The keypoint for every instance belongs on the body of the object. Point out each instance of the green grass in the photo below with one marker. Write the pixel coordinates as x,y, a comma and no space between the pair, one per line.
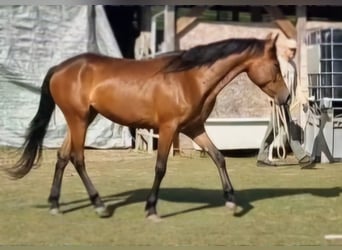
278,206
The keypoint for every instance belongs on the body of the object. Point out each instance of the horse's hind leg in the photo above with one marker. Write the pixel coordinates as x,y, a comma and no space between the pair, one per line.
63,157
202,139
78,129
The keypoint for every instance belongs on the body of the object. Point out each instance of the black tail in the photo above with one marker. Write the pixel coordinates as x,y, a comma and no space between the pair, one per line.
32,147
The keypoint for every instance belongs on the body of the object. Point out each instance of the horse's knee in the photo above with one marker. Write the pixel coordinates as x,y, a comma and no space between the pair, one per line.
77,161
160,170
73,160
219,158
62,160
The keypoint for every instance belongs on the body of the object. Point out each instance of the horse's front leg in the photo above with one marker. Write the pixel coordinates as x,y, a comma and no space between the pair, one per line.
166,135
202,139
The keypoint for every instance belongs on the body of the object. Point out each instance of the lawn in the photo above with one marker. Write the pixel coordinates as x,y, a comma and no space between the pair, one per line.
277,206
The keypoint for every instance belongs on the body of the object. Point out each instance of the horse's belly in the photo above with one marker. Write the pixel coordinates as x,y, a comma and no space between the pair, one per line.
124,109
128,118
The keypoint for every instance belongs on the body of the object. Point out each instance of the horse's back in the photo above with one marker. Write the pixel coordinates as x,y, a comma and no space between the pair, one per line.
123,90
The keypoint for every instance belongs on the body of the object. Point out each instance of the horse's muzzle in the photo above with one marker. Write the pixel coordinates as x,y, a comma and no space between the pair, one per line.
288,100
284,99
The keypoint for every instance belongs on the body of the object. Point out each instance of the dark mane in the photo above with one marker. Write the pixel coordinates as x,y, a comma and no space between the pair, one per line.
206,55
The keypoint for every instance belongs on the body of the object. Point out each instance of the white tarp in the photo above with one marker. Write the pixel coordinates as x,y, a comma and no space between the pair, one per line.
34,38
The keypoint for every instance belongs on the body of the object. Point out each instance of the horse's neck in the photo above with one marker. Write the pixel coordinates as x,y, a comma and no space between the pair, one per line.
216,77
223,71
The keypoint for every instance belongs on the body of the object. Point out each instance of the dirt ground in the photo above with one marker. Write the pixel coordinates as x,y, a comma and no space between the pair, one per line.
277,206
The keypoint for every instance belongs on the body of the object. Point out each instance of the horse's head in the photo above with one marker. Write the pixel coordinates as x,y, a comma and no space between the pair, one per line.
264,71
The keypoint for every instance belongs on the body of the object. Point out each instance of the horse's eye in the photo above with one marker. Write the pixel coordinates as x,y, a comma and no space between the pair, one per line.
277,65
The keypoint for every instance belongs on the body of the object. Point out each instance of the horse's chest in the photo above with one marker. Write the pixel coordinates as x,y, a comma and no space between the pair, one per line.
208,106
202,113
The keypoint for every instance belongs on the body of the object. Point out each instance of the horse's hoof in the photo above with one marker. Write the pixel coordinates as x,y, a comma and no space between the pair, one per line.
102,212
231,205
154,218
54,211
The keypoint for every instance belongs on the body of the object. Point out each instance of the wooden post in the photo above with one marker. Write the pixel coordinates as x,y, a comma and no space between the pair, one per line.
170,42
143,42
301,59
169,28
301,50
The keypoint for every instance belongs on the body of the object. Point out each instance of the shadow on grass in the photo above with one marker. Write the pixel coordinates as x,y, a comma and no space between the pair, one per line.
206,198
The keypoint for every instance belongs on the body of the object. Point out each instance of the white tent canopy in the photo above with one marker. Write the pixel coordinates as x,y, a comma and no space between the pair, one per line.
34,38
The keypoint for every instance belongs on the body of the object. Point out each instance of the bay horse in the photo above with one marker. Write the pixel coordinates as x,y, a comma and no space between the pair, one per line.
172,94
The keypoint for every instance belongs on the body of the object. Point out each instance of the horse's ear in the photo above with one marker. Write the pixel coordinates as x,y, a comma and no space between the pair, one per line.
275,38
271,40
269,36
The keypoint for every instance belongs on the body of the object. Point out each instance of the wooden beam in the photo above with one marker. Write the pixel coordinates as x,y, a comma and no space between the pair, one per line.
185,21
283,23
